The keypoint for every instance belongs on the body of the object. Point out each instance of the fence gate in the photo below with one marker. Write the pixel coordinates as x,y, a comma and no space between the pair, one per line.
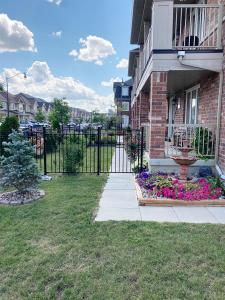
88,151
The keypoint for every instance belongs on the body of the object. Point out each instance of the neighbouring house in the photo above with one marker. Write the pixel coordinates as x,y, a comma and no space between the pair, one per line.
23,106
178,74
44,106
13,105
122,99
78,114
27,107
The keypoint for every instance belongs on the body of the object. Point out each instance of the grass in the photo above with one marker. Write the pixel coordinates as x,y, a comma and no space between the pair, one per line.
51,249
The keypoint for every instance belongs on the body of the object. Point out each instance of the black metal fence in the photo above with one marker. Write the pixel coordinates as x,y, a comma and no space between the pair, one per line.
87,151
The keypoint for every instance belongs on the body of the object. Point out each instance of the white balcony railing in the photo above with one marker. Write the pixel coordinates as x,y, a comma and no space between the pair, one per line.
180,26
200,137
197,26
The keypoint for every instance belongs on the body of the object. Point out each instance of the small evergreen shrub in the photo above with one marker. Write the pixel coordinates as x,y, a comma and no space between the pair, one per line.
74,151
19,169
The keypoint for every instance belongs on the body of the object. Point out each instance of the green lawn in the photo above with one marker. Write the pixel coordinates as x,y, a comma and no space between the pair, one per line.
55,160
52,250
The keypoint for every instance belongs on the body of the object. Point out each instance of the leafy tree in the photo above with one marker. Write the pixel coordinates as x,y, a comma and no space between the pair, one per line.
9,124
19,169
60,113
39,117
98,117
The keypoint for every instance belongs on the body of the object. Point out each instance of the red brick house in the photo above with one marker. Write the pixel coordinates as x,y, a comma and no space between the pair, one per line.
122,99
178,74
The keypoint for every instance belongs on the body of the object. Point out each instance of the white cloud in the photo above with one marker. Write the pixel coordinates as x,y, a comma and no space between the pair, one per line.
123,64
73,53
42,83
15,36
94,49
57,34
57,2
110,82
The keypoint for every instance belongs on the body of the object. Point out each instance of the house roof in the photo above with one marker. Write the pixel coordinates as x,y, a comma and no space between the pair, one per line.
33,99
128,82
3,97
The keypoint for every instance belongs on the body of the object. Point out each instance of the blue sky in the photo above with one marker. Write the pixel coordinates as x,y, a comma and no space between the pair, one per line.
105,23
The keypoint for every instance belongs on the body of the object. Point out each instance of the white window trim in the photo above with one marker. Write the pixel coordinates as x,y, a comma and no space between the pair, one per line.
194,88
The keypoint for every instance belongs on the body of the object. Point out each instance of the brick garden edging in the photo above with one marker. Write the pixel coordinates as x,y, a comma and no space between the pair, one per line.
142,201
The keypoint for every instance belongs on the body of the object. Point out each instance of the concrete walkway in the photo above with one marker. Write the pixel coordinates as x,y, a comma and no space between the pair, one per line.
119,203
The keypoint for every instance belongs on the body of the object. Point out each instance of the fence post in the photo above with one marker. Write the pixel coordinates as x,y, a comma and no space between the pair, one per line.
142,148
99,152
44,152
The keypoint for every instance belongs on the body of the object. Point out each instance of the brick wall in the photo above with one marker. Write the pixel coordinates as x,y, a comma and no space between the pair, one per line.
207,110
158,114
135,116
144,107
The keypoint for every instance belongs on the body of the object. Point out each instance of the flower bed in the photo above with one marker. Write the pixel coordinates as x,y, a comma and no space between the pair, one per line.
166,189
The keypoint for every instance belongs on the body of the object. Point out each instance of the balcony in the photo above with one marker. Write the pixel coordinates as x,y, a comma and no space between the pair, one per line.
195,29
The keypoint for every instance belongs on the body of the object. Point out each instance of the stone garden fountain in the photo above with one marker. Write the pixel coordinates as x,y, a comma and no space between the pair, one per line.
184,160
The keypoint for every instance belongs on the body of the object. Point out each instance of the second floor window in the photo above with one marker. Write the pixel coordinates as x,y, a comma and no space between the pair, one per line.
125,106
125,91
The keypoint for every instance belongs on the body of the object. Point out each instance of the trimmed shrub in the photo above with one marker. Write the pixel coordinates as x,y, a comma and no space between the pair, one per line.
74,151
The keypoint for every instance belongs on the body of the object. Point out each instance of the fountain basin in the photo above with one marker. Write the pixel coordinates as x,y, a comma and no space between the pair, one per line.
183,160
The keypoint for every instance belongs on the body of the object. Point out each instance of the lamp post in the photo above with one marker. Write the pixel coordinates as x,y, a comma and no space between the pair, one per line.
7,88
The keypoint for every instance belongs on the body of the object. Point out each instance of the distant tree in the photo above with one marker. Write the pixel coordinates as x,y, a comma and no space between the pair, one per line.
39,117
1,88
99,118
9,124
60,113
113,121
